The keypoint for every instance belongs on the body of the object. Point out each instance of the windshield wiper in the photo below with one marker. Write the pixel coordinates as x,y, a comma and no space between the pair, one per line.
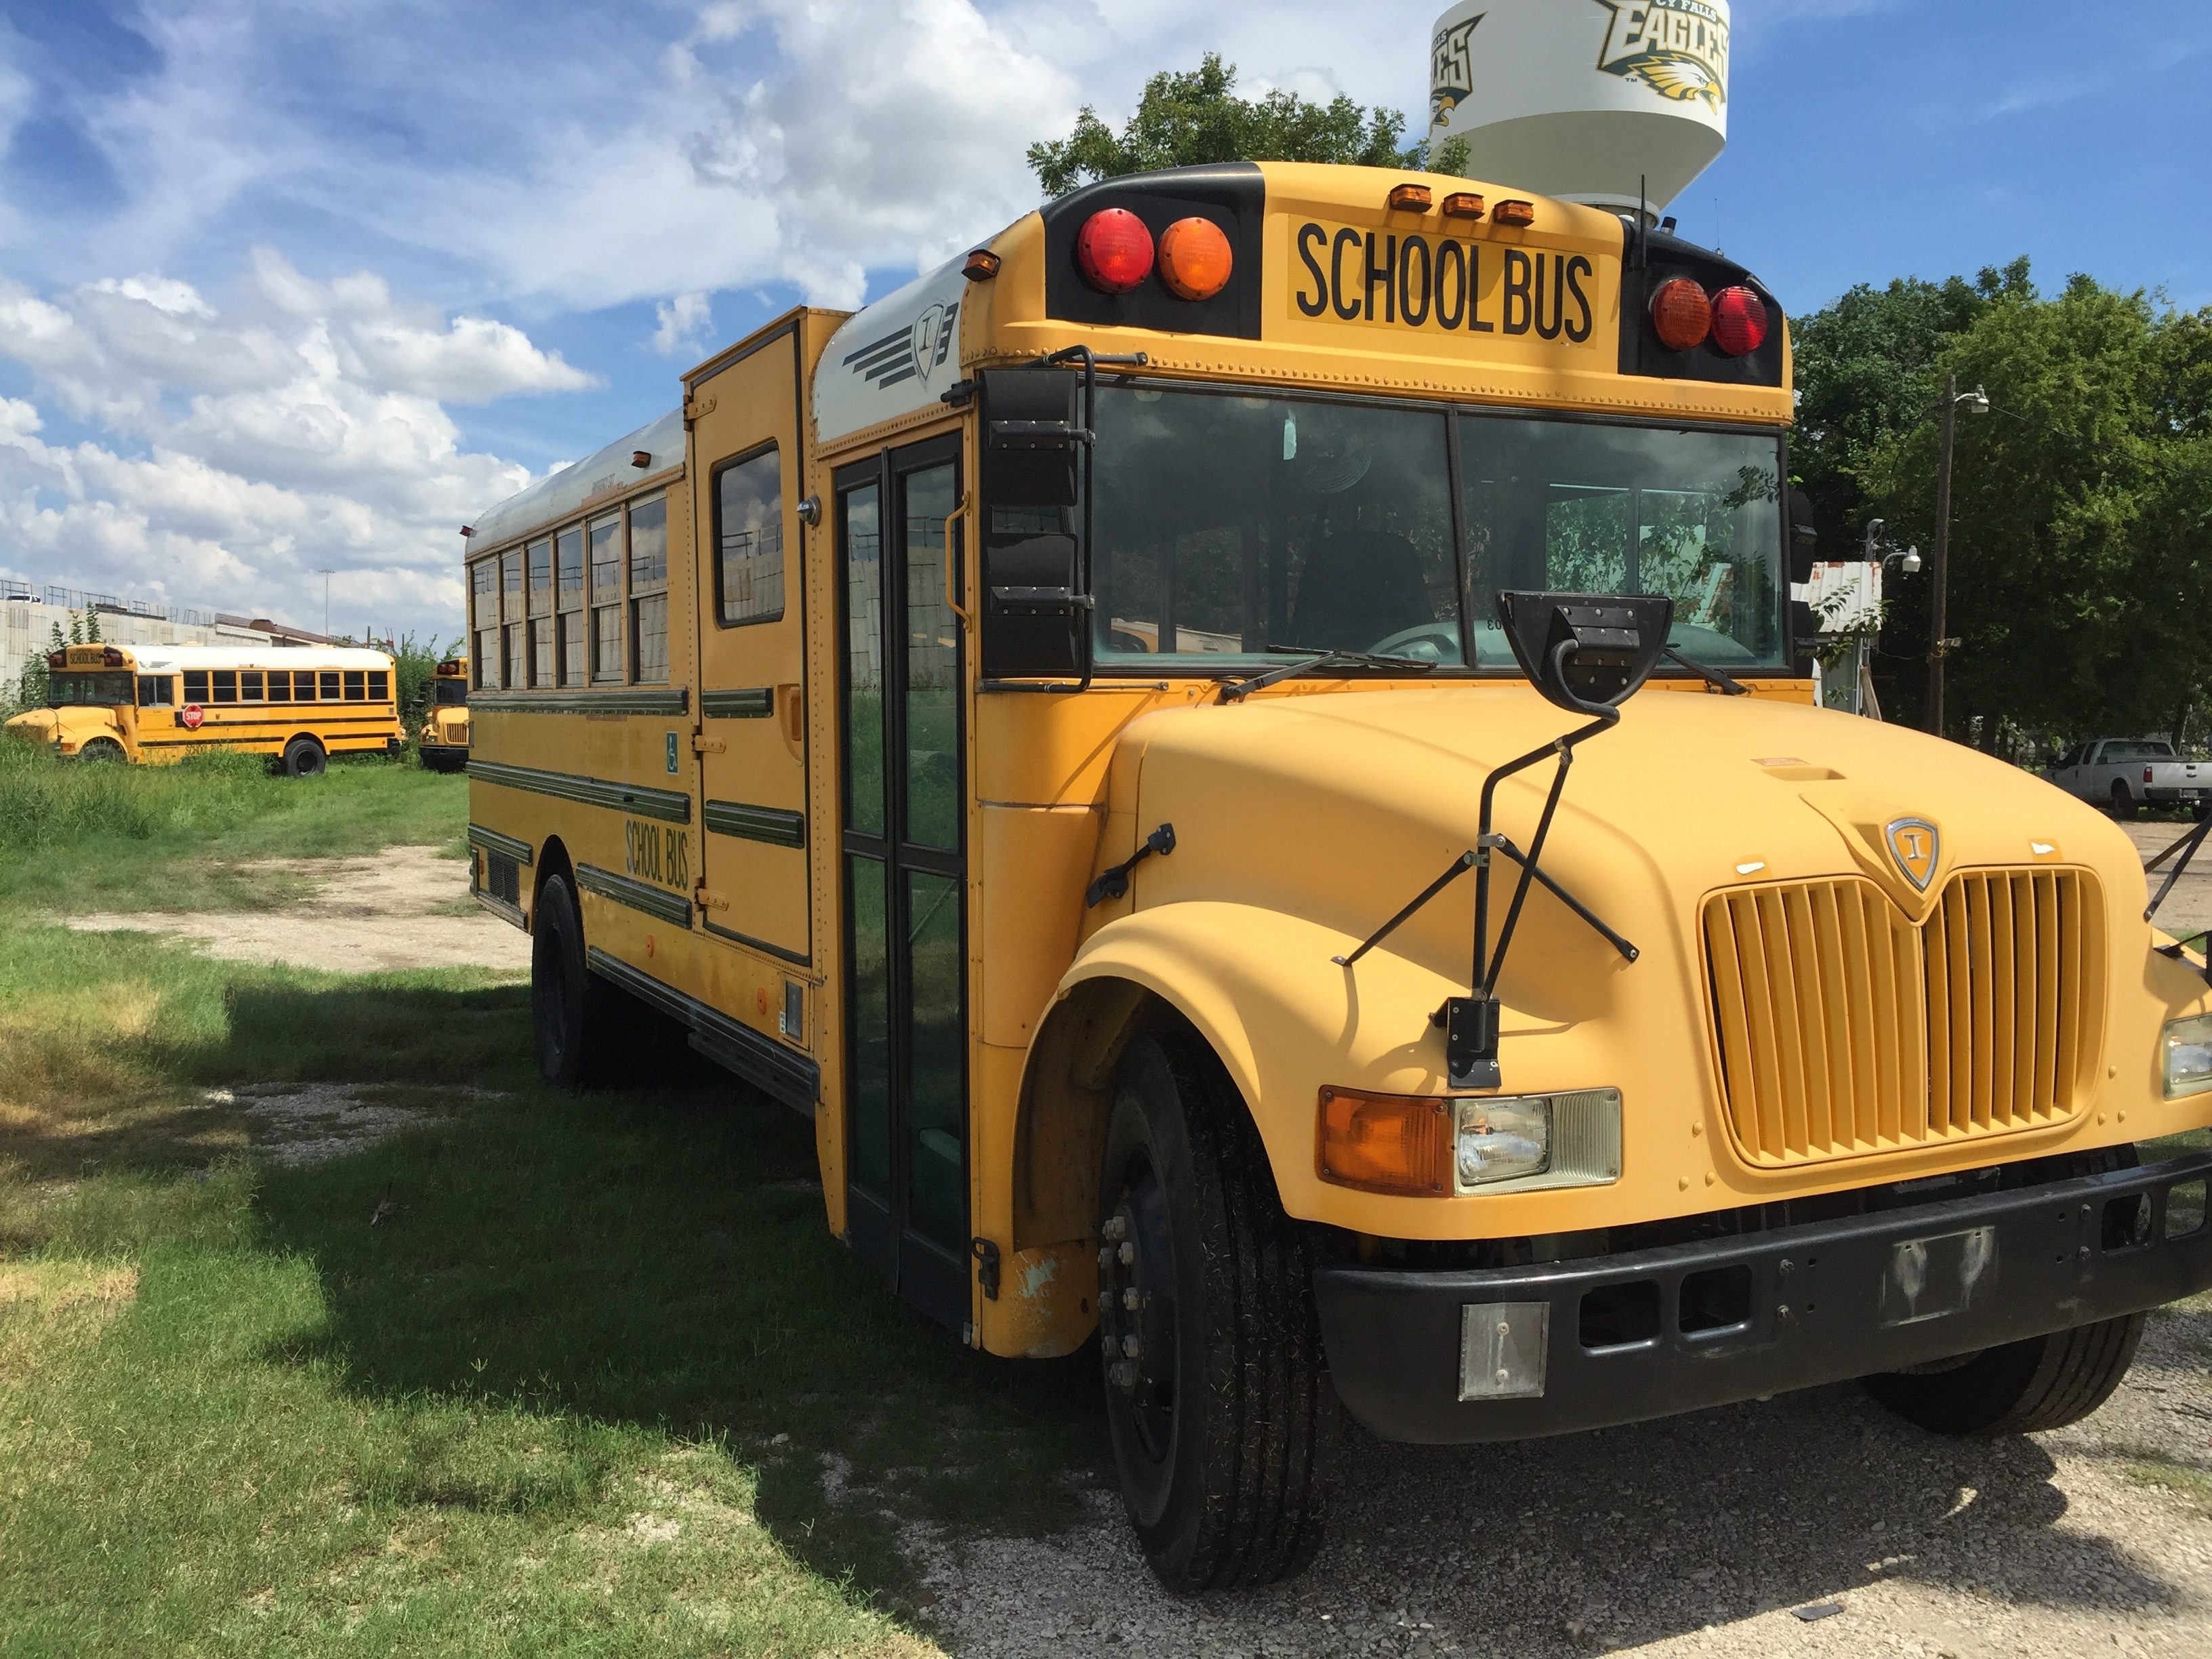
1231,690
1712,677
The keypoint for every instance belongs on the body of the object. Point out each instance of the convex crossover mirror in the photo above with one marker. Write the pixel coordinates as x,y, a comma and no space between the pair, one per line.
1586,652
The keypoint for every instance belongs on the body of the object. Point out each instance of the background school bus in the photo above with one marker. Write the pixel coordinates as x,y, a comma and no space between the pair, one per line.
156,704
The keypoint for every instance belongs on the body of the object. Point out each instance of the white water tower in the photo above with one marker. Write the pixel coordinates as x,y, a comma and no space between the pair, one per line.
1580,98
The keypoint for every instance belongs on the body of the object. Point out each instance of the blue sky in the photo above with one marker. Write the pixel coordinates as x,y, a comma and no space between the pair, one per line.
303,285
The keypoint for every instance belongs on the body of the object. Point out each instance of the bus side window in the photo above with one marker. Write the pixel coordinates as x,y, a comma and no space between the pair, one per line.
195,686
225,686
329,687
749,541
154,691
355,689
303,687
379,686
280,686
249,686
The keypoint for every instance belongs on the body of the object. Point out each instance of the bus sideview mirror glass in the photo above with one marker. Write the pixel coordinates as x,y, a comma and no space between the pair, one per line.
1031,431
1586,652
1035,609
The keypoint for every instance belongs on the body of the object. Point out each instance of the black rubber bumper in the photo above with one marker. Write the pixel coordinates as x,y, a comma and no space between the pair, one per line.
1650,1332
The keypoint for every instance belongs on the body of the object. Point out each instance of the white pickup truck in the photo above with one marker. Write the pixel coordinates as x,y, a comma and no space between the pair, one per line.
2124,773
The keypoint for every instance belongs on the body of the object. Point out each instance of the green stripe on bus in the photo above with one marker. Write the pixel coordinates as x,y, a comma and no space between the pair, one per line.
666,805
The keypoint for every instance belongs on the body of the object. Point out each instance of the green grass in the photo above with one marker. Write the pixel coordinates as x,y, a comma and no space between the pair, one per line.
76,838
541,1375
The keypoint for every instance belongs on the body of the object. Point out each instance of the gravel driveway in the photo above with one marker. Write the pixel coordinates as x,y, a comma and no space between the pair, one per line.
1700,1535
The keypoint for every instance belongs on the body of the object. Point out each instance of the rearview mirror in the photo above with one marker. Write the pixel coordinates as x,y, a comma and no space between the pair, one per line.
1586,652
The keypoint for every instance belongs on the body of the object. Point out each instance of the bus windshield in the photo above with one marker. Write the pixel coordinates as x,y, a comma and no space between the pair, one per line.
91,690
445,693
1228,525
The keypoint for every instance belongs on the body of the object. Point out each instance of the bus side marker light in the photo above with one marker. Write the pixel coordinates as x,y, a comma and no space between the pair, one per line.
981,265
1514,213
1462,204
1114,250
1384,1143
1739,321
1409,199
1681,315
1196,258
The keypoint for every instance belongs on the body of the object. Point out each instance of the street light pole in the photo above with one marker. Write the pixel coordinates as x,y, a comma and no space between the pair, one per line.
1939,562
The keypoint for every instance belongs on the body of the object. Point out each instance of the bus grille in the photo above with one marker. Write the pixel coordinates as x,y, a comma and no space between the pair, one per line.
1845,1029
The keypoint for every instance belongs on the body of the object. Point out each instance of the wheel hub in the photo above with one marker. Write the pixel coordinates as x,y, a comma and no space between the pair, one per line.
1136,1313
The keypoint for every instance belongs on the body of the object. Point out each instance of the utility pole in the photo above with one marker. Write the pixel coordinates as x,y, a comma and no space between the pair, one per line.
326,575
1939,563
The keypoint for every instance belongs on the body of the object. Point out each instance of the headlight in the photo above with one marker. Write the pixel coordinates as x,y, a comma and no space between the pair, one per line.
2189,1055
1502,1139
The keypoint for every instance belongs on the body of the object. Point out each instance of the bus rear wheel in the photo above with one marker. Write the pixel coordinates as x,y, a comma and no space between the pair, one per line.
303,758
580,1019
1217,1398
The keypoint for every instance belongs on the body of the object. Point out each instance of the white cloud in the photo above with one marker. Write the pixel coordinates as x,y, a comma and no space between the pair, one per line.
681,322
251,448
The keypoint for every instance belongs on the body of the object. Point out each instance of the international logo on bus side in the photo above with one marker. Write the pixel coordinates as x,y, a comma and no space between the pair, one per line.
1913,844
192,716
1677,48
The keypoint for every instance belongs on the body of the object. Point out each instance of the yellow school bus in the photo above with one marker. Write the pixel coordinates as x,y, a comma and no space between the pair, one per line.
156,703
1131,736
443,742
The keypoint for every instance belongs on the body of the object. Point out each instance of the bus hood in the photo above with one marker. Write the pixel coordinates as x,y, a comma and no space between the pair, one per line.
71,728
1339,807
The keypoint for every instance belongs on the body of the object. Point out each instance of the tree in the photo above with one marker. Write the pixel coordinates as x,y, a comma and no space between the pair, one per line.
1188,118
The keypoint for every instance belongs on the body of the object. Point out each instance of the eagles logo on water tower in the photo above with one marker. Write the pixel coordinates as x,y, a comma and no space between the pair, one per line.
1451,67
1677,48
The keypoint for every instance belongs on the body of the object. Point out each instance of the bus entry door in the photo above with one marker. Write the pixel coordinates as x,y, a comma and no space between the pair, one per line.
904,874
753,887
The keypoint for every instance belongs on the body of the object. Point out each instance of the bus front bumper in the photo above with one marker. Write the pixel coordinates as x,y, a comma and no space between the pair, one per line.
1510,1354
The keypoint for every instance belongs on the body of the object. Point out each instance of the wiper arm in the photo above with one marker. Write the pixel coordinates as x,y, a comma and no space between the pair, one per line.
1231,690
1712,677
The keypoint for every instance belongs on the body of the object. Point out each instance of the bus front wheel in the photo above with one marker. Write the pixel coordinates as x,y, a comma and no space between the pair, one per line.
303,758
101,750
1222,1418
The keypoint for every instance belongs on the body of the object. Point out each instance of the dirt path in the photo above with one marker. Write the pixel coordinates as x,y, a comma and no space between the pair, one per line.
404,907
2189,907
1702,1535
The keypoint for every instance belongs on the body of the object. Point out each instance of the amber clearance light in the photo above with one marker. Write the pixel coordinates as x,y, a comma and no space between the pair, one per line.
1384,1143
1680,314
1739,321
1195,258
1514,213
1115,250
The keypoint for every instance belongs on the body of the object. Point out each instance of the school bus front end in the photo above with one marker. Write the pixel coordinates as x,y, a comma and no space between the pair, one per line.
442,741
1241,750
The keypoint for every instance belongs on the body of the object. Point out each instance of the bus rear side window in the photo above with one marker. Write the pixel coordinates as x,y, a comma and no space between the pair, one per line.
195,686
379,686
303,687
355,690
225,686
329,688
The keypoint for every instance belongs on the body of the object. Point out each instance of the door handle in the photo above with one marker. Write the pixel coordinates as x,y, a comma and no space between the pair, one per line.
951,598
791,705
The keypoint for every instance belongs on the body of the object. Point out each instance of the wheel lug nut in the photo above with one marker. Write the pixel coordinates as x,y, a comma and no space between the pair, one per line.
1131,1348
1123,1375
1133,1298
1114,1229
1105,1257
1128,1254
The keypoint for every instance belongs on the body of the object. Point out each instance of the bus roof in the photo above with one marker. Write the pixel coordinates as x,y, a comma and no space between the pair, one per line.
180,658
560,493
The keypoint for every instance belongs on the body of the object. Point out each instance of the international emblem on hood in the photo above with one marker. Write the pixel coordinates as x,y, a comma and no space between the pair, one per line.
1914,844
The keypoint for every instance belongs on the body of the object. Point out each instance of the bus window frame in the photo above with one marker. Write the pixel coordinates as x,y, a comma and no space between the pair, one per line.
714,533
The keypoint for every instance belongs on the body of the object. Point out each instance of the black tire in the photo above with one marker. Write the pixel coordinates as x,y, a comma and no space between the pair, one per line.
577,1017
2022,1388
2123,802
1224,1420
303,758
102,751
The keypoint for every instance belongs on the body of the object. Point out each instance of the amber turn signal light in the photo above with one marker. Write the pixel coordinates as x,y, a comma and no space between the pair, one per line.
1681,316
1514,213
1195,259
981,265
1409,199
1462,204
1114,250
1384,1143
